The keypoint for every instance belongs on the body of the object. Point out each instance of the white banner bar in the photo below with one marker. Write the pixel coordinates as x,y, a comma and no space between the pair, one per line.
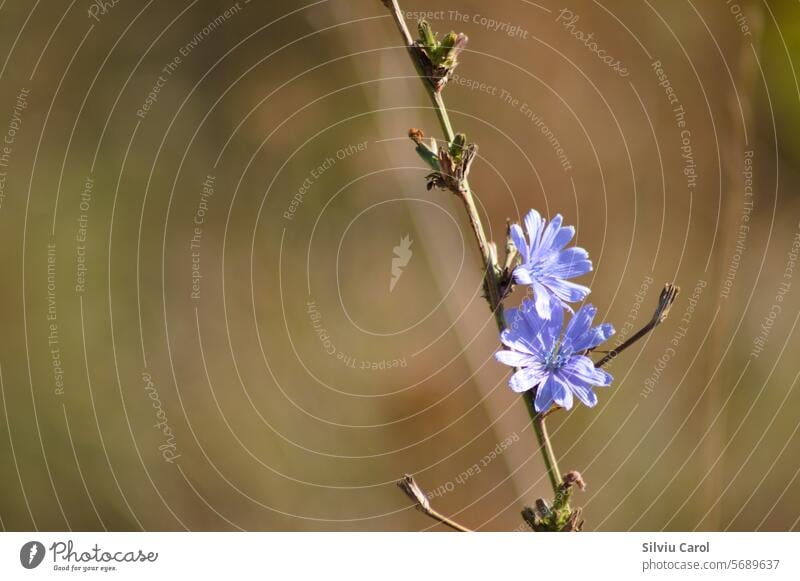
400,556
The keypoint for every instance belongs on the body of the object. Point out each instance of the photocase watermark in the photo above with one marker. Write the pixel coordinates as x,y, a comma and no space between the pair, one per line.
10,138
168,70
739,17
168,449
569,20
198,221
491,24
53,340
82,235
346,359
544,129
99,8
402,256
633,315
665,83
672,350
32,554
687,154
320,170
66,558
475,469
768,322
679,115
474,85
744,226
523,107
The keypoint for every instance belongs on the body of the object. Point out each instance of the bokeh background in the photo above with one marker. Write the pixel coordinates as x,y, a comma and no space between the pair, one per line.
199,207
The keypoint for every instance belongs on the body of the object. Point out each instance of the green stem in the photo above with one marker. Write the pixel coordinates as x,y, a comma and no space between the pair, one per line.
545,446
490,275
441,112
492,289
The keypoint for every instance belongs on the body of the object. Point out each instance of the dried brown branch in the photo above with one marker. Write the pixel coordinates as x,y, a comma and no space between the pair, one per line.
665,301
421,502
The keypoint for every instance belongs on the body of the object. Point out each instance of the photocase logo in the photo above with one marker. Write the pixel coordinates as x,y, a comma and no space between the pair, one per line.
31,554
402,256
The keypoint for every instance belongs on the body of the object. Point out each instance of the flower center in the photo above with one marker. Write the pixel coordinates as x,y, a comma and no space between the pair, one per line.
556,359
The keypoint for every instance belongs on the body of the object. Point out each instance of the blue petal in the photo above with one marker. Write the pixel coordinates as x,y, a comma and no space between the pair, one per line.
534,224
562,396
511,314
519,342
569,269
565,234
550,233
579,324
565,290
544,305
526,379
523,275
518,237
583,392
544,395
552,328
533,326
593,337
523,328
515,358
569,263
582,368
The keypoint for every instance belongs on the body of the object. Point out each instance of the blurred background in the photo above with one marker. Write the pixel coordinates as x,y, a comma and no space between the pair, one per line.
201,203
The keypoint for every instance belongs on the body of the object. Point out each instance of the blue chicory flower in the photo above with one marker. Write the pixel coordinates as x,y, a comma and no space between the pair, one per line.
546,265
553,363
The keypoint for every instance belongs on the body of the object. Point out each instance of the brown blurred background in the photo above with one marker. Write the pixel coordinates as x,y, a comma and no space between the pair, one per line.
199,206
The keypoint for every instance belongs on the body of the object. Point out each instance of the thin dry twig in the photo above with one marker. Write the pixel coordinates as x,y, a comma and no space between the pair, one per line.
408,485
665,301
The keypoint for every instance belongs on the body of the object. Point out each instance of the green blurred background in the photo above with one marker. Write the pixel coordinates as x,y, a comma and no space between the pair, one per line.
198,328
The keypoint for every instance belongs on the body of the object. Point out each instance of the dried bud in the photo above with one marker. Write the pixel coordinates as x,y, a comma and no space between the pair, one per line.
438,59
530,517
668,296
542,508
414,492
454,165
574,523
574,478
452,45
505,279
428,38
428,153
458,146
492,253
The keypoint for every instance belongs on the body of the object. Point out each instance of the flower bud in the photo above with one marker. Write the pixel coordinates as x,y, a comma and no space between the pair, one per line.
438,59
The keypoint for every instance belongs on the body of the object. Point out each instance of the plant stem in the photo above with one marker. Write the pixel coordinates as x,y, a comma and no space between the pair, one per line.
466,195
545,446
444,117
493,293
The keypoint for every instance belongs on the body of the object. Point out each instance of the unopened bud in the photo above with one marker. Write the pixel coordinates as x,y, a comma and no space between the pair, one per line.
574,478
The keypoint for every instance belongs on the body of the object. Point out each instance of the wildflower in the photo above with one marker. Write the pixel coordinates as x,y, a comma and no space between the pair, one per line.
555,364
546,265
